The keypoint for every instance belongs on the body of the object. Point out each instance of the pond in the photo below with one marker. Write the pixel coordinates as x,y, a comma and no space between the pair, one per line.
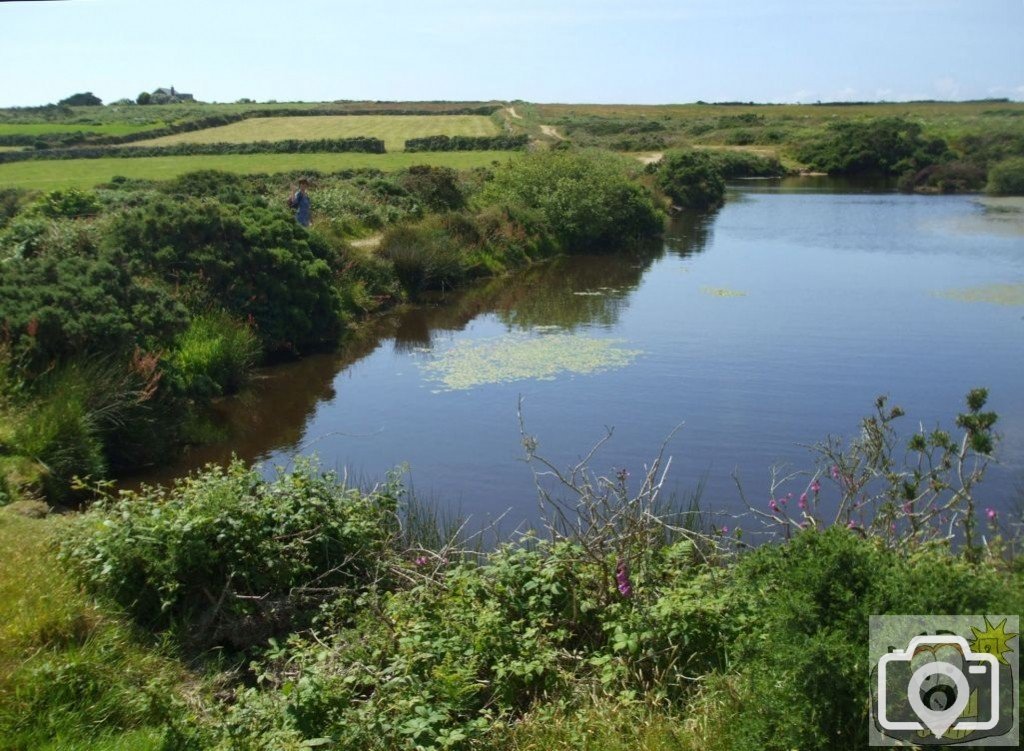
762,328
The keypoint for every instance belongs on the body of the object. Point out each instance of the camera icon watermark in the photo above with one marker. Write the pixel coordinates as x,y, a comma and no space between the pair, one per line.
944,680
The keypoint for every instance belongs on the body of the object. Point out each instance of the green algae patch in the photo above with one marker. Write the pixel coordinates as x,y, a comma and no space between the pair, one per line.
468,364
722,292
996,294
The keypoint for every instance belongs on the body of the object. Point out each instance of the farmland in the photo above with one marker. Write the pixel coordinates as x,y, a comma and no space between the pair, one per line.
393,129
84,173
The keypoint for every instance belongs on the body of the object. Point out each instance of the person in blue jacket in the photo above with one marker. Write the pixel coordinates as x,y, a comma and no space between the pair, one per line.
299,202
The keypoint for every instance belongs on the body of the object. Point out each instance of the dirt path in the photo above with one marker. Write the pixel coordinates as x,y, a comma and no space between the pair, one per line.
512,112
650,158
549,130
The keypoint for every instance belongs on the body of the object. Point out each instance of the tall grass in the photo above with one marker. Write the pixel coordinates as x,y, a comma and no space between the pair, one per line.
214,355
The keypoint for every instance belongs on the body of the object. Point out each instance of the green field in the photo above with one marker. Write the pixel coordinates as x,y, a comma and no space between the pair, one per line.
98,128
393,129
85,173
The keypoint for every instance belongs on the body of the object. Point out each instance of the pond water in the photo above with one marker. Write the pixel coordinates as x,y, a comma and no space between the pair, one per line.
762,328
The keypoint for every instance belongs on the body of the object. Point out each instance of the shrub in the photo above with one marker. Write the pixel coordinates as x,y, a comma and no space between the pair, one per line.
1007,178
10,204
801,613
887,146
257,263
691,179
230,557
733,164
952,177
424,256
54,307
69,202
437,187
586,198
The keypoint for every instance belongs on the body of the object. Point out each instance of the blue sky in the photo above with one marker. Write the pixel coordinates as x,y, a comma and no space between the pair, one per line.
643,51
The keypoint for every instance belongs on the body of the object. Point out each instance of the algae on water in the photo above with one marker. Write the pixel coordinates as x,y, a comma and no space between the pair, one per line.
997,294
722,292
472,363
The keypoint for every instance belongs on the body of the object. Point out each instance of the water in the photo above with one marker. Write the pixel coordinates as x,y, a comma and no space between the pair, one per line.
762,328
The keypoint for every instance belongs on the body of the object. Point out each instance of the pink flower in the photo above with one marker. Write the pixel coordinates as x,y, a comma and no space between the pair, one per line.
422,560
773,505
725,530
815,487
835,471
802,503
622,579
991,514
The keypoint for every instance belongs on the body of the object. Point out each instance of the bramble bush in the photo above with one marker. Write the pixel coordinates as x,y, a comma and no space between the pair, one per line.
229,557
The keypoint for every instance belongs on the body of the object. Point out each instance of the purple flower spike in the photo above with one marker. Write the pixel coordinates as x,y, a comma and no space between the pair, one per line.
622,578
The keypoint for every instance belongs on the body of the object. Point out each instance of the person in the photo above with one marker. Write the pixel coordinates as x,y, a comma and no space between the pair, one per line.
300,204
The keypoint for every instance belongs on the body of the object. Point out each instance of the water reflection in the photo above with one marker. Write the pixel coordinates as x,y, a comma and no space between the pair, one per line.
565,293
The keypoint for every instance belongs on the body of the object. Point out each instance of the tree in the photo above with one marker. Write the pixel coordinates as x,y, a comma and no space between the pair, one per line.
144,98
85,99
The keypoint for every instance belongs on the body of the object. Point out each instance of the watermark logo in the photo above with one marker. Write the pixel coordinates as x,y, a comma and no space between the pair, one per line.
944,680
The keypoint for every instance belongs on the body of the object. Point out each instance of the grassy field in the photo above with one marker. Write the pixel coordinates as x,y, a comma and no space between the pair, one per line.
85,173
105,128
393,129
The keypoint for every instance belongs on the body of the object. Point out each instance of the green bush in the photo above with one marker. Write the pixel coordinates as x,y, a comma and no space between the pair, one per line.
733,164
70,203
437,187
950,177
424,256
10,204
1007,178
691,179
587,198
799,617
255,262
885,146
57,307
213,356
229,557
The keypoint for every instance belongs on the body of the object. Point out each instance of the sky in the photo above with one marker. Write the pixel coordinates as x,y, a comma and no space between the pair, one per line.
597,51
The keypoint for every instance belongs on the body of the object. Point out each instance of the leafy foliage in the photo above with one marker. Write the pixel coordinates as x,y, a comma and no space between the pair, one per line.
255,262
887,146
587,198
229,556
692,179
1007,178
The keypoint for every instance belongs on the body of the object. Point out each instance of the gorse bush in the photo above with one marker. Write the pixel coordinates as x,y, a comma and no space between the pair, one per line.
255,262
54,306
692,179
229,557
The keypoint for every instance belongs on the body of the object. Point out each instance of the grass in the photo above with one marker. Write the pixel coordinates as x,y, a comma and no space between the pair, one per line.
72,675
85,173
393,129
106,129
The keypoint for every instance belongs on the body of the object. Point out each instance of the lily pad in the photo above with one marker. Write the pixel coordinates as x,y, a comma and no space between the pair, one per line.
515,357
722,292
997,294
